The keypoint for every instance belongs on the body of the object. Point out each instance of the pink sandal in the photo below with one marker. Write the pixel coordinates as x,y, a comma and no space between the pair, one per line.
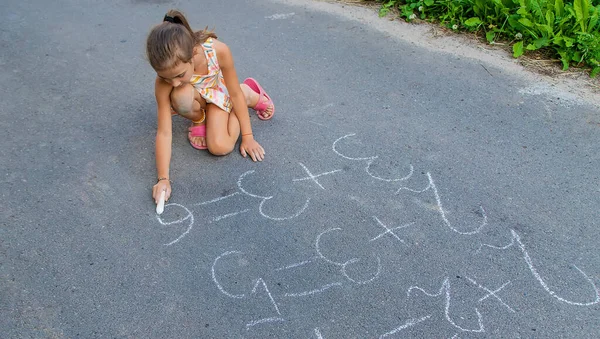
264,100
197,131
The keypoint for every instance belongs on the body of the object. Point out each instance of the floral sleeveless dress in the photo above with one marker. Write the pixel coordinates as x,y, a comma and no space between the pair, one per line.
212,85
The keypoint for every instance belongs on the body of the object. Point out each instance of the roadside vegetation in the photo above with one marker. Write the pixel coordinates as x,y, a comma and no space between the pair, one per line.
564,30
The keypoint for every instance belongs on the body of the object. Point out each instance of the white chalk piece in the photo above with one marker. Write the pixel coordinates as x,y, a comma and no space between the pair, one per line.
160,207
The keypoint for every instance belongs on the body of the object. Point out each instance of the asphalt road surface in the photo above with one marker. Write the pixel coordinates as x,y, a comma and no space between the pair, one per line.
406,192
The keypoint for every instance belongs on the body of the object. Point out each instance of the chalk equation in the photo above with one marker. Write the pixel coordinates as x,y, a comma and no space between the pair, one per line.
347,271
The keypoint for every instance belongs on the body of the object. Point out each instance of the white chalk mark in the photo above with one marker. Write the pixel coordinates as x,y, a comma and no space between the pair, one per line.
319,250
318,124
390,230
455,336
344,156
446,289
543,283
317,110
263,321
160,207
343,265
414,190
280,16
315,291
217,199
260,209
491,293
409,323
512,242
314,177
221,217
239,183
318,333
265,199
174,221
189,216
261,281
214,276
440,208
368,169
294,265
370,161
364,281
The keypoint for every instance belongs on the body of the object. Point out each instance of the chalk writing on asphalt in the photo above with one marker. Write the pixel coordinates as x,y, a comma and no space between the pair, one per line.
348,272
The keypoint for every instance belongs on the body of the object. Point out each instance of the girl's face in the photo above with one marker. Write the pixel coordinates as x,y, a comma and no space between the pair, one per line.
178,75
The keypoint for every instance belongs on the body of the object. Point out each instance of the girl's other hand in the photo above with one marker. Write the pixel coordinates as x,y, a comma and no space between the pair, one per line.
250,147
162,185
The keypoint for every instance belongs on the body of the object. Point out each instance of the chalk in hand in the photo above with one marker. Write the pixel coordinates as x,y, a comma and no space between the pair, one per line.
160,207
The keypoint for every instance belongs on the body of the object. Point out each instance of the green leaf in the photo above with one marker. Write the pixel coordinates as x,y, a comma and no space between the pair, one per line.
518,49
541,42
531,47
550,18
385,8
526,22
429,2
513,21
479,7
569,42
581,12
489,36
536,9
559,8
406,11
593,19
559,40
594,72
565,59
546,30
472,22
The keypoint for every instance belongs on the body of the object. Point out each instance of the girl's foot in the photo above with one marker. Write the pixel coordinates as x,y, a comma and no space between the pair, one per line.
266,114
197,133
258,99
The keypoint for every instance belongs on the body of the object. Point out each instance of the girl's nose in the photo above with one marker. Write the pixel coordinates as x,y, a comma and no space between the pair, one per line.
176,83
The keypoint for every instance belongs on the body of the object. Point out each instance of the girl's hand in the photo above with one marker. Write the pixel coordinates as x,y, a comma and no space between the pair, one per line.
161,185
249,146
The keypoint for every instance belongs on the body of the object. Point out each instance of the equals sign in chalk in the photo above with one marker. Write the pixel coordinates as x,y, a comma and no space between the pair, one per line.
160,207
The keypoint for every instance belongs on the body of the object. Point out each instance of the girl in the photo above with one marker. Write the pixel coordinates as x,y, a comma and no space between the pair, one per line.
196,79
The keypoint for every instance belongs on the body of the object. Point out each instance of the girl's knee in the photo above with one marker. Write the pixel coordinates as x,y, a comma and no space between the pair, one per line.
182,99
220,148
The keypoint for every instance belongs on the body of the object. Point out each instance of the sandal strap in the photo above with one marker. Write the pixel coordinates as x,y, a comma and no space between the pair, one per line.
197,131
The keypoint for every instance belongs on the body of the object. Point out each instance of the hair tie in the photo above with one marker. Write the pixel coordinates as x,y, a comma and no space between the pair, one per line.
171,19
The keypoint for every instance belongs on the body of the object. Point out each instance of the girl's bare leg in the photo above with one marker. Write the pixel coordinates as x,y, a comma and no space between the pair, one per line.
224,128
188,103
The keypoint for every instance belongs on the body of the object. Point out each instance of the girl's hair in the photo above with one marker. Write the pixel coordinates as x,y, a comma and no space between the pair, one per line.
172,41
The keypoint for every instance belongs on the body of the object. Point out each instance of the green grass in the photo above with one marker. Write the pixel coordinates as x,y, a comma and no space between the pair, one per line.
568,30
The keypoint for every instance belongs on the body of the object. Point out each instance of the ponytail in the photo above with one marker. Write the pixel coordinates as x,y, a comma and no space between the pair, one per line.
172,42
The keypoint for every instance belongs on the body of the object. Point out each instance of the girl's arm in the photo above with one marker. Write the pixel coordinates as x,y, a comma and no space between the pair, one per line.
240,108
162,91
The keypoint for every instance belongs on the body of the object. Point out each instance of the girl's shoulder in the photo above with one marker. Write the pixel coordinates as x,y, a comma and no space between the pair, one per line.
217,44
224,55
221,48
162,92
160,83
214,44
